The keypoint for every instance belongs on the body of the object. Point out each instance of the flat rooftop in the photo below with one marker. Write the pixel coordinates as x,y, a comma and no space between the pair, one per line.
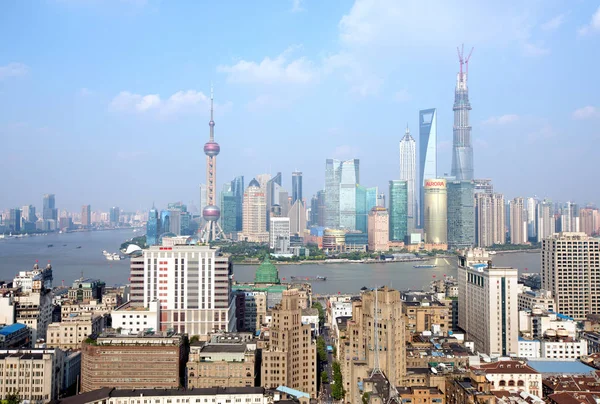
560,367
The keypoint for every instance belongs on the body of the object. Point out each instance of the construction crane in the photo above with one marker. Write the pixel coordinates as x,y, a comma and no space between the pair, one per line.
463,60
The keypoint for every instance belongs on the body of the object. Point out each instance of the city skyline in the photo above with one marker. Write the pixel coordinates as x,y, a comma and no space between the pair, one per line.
125,114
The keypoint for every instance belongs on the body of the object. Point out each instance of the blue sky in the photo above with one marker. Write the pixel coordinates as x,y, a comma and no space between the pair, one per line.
105,101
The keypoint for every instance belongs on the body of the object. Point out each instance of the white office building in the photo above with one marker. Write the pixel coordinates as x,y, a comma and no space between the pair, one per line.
131,320
279,235
192,283
487,297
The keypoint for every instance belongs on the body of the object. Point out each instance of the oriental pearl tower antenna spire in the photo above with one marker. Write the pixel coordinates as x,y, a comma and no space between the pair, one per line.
211,213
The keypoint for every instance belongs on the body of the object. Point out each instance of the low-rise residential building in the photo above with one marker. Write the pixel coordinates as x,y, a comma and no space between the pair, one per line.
14,336
311,316
529,299
510,375
86,290
424,313
153,360
425,395
36,375
131,320
228,360
552,348
427,352
538,323
69,307
473,388
72,330
593,341
571,383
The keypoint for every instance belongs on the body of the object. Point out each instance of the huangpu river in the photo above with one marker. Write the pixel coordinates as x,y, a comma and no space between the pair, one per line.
69,262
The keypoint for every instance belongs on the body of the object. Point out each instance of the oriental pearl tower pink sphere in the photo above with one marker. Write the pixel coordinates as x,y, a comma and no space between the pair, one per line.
211,213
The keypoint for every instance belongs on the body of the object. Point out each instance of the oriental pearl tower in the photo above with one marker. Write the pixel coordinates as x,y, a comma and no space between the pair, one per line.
211,213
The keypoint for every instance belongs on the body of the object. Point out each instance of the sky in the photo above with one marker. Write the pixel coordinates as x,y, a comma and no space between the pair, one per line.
106,102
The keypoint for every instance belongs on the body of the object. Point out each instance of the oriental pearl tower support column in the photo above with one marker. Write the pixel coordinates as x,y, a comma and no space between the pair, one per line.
211,213
462,150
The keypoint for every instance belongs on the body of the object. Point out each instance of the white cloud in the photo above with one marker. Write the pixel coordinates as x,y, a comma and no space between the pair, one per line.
85,92
544,133
402,96
272,71
554,23
586,112
501,120
13,70
593,26
178,103
366,86
297,6
530,49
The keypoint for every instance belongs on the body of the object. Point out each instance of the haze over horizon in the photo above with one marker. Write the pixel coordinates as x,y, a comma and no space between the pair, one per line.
107,102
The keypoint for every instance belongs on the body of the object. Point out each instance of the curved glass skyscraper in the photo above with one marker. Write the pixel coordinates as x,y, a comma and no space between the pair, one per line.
427,152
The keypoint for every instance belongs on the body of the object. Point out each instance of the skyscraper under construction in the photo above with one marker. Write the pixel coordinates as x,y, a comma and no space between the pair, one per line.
462,149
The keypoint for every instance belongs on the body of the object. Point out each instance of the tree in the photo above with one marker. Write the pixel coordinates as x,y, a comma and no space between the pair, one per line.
12,398
319,307
324,377
321,350
337,392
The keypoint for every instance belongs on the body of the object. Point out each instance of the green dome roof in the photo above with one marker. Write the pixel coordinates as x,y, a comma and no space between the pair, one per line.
267,272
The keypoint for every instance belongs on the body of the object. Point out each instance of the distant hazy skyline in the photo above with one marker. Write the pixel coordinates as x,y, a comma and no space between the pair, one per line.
105,102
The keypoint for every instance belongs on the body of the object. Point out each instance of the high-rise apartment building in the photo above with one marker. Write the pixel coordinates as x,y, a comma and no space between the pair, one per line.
366,199
279,235
349,177
399,217
296,186
489,219
545,220
488,303
379,229
461,214
341,178
589,221
14,220
332,194
263,180
193,285
254,227
427,153
376,339
237,187
297,215
114,214
462,147
228,210
518,221
435,209
49,211
290,355
271,189
317,209
28,214
408,173
86,216
569,218
532,223
570,268
483,185
152,227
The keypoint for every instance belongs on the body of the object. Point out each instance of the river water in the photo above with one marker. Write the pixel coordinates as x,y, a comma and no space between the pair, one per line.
68,262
